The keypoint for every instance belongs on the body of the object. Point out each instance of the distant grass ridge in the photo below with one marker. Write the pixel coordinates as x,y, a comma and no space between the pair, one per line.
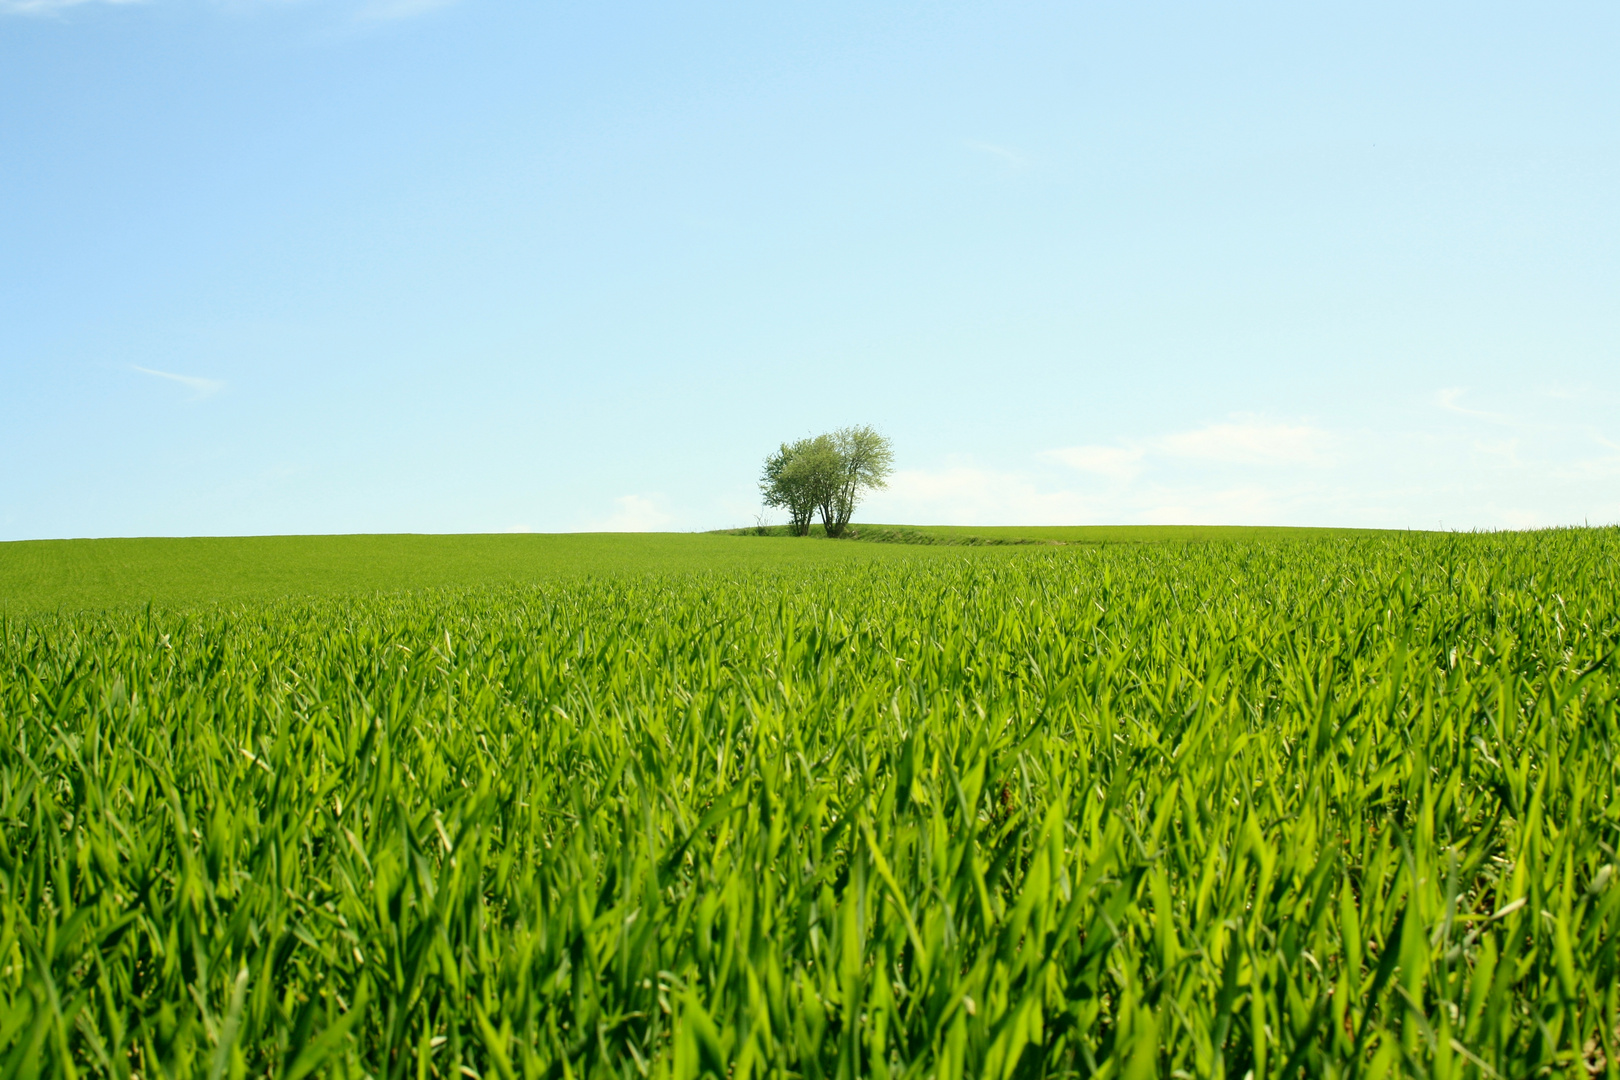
1126,534
187,572
885,534
1002,535
1346,807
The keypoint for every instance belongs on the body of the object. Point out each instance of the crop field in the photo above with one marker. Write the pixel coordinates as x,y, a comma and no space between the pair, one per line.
1337,806
1116,534
1066,535
38,576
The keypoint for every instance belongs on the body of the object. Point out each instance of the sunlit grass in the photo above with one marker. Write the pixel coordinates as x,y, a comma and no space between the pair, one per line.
178,572
1343,807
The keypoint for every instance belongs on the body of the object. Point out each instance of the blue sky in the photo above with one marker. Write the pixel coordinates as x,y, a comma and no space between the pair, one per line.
282,266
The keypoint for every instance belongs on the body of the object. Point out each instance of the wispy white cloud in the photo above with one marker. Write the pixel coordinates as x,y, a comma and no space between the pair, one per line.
1257,480
1602,469
1005,154
389,10
200,388
634,513
49,7
971,495
369,11
1504,452
1263,471
1243,440
1114,462
1450,397
1250,441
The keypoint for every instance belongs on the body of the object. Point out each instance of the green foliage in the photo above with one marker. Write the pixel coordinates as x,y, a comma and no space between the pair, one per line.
891,534
1328,808
864,461
798,477
826,473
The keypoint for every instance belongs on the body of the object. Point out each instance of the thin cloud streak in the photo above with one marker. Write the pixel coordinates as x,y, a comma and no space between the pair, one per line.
1114,462
49,7
1009,156
1447,399
1245,440
200,387
392,10
375,11
1250,442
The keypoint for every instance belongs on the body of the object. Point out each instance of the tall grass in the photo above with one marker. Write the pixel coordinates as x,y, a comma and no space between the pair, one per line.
1338,808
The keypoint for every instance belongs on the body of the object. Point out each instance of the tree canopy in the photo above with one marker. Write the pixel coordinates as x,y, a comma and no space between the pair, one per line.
827,474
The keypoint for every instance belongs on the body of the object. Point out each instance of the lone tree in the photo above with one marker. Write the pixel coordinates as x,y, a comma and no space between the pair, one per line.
828,473
794,476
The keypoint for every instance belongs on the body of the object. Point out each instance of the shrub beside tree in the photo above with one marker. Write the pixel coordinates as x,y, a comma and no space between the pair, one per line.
826,473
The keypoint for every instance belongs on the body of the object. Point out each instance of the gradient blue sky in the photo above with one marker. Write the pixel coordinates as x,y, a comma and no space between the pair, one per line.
272,266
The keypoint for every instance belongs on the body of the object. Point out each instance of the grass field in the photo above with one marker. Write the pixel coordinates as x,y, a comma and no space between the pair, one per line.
73,575
1313,806
1110,534
1065,535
